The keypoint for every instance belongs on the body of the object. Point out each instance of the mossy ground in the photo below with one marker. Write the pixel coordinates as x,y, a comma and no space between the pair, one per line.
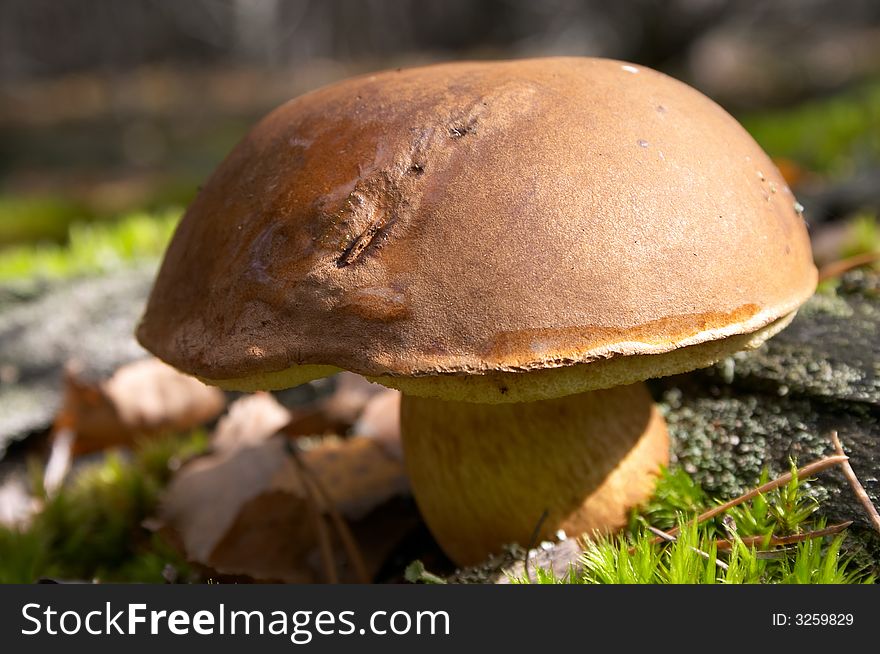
91,247
831,135
93,528
636,556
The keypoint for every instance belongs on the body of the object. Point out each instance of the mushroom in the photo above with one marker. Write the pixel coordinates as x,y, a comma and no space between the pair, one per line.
513,245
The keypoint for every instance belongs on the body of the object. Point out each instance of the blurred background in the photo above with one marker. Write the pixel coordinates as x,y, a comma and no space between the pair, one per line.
109,107
112,113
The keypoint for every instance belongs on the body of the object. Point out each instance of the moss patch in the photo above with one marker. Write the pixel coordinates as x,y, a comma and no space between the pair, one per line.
92,248
697,556
829,135
92,529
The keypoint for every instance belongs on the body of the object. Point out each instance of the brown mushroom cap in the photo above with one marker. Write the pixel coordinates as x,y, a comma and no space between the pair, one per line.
446,229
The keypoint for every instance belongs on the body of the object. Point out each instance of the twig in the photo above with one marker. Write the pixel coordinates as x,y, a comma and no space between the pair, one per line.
729,525
345,535
806,471
320,528
857,487
533,540
669,537
837,268
725,544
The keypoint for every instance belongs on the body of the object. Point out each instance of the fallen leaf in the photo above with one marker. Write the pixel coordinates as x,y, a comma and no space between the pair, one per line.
380,420
248,511
793,173
141,398
357,473
204,498
336,413
249,421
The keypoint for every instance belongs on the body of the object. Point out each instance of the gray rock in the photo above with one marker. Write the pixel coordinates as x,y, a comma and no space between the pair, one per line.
90,320
760,409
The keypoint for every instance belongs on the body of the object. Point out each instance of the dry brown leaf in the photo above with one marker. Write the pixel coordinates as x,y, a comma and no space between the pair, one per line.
351,394
141,398
793,172
357,473
266,541
250,420
336,413
380,420
246,512
205,497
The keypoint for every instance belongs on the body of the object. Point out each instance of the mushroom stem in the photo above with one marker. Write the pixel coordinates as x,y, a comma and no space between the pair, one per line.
483,475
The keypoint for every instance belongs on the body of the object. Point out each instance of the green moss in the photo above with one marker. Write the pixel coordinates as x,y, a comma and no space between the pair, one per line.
25,218
93,528
92,248
676,493
829,136
23,556
863,235
635,557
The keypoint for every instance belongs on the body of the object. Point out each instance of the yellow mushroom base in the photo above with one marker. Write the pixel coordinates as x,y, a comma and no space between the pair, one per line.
484,475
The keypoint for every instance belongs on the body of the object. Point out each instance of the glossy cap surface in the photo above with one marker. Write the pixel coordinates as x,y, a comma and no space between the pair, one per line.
479,219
